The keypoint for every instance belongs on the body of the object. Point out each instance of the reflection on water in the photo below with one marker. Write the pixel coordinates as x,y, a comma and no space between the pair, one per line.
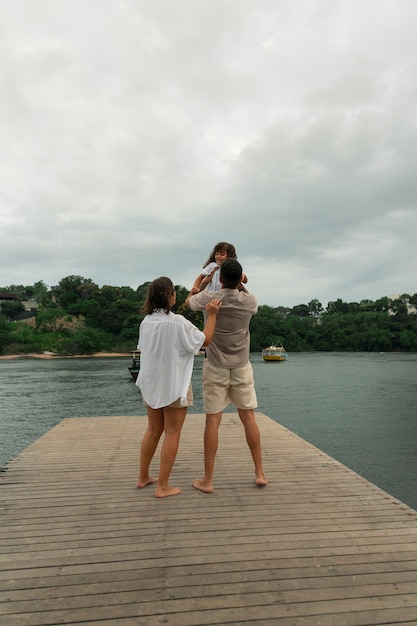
358,407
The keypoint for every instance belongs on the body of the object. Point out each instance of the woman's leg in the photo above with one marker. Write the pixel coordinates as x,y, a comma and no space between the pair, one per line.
149,444
173,422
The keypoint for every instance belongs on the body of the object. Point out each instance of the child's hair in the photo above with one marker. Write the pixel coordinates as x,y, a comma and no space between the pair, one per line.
230,273
159,292
220,247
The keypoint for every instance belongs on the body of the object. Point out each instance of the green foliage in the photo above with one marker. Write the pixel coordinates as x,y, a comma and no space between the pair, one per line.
79,317
12,309
5,335
22,340
348,327
196,317
85,341
265,327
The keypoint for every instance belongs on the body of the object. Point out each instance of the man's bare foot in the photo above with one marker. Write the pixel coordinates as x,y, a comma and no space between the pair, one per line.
147,481
199,484
261,481
168,491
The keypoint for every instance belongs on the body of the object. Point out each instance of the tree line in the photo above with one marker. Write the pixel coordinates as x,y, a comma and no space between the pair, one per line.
79,317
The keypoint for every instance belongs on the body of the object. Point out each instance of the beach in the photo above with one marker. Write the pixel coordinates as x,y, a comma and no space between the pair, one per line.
51,355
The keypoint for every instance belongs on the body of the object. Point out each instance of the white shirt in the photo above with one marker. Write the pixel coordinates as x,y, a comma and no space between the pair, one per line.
167,344
214,284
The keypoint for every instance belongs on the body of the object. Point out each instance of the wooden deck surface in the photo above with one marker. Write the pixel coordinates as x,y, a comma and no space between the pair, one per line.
81,545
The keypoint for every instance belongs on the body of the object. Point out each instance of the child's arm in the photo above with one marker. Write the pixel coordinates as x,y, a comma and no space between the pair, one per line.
244,280
197,283
202,281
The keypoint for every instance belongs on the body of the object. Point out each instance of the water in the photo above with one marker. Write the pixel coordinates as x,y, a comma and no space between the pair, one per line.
358,407
361,408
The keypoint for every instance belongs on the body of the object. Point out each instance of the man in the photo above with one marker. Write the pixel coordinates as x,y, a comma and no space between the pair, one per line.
227,372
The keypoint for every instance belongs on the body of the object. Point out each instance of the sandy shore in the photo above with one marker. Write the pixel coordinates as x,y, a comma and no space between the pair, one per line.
49,355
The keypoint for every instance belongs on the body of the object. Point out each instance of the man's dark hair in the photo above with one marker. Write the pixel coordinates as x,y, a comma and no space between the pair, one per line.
230,273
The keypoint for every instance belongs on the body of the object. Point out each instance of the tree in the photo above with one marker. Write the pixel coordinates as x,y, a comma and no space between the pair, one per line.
382,305
315,308
88,318
12,309
338,306
66,292
301,310
87,289
413,300
266,327
48,320
42,294
5,335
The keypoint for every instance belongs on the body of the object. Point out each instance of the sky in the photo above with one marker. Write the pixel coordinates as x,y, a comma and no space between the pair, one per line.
136,134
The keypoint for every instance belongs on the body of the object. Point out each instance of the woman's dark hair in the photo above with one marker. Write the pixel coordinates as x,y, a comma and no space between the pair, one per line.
222,246
159,292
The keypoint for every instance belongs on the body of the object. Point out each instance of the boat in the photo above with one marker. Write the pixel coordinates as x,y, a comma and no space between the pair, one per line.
274,353
135,365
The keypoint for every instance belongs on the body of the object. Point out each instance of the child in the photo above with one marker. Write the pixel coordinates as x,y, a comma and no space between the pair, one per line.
209,277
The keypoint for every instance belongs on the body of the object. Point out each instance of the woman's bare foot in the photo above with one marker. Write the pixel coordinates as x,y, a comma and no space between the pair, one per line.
201,485
261,481
147,481
168,491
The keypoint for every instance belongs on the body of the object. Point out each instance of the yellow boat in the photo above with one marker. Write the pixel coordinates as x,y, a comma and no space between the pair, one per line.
274,353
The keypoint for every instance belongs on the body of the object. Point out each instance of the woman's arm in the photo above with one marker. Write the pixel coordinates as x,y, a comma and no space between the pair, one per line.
212,309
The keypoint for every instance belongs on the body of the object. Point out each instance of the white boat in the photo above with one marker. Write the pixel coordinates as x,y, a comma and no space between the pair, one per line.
274,353
135,366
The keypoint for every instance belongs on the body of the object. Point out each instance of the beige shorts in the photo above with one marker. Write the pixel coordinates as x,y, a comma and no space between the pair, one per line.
177,403
228,386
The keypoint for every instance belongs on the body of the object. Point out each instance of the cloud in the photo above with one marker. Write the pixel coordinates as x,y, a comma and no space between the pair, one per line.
135,135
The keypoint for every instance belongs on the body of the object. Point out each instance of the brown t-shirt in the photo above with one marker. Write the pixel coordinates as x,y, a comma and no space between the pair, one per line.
230,345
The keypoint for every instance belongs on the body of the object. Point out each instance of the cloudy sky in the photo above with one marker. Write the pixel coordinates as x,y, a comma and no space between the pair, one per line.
136,134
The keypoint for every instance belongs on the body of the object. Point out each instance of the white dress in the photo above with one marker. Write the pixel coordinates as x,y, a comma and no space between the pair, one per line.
214,284
167,344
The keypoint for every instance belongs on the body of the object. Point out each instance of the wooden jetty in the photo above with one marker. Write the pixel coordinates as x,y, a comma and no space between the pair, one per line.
79,544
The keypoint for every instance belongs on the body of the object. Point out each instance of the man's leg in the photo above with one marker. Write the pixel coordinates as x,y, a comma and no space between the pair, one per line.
211,441
149,444
253,439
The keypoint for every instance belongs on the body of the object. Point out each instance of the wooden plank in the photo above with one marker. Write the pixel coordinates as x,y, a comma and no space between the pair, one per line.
80,544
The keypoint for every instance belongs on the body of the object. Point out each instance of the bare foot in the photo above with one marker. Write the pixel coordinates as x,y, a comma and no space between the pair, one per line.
168,491
148,481
201,486
261,481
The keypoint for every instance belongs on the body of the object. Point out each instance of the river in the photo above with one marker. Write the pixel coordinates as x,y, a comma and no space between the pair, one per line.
360,408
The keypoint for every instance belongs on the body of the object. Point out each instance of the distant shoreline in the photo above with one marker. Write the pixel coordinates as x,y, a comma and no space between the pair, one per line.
47,355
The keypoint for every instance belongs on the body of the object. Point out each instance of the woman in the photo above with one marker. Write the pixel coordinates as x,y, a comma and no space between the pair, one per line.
167,344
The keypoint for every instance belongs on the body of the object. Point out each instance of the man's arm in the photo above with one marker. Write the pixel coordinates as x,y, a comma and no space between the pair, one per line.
188,298
197,302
